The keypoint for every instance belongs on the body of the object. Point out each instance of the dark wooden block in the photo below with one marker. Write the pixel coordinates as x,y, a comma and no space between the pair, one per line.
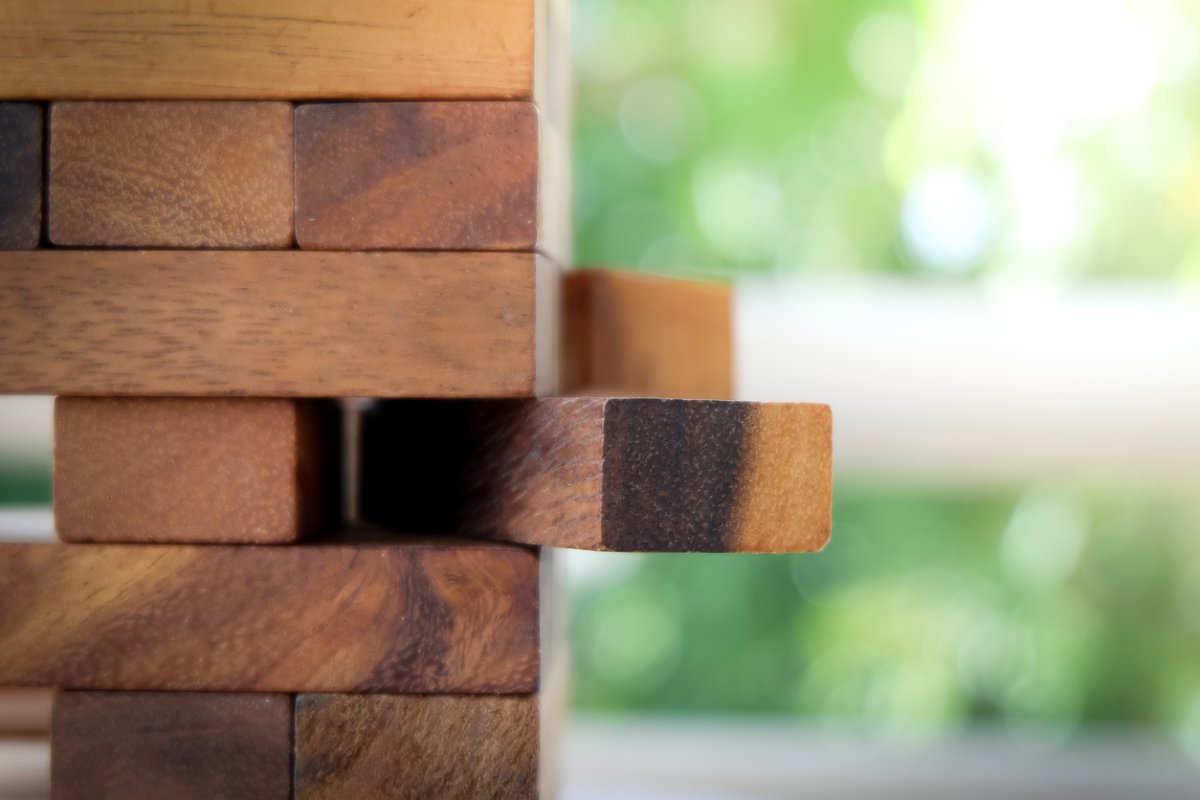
277,324
171,174
630,334
427,176
171,746
21,138
389,747
413,616
604,474
176,469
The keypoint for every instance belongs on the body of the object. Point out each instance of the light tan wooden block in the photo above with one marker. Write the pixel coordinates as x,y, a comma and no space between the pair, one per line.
277,324
186,469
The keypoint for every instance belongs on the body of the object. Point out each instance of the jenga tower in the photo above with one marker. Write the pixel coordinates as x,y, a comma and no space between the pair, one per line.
220,219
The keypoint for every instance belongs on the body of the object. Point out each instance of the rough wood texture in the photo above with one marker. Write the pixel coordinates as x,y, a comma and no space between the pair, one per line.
171,746
426,176
629,334
195,469
413,616
20,175
163,174
275,324
394,747
255,49
604,474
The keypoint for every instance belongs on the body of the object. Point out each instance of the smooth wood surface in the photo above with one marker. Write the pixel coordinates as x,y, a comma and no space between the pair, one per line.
272,49
604,474
393,747
424,176
171,174
225,470
630,334
21,137
171,746
433,616
280,324
24,712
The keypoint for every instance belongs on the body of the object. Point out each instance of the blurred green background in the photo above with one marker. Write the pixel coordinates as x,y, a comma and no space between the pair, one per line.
970,142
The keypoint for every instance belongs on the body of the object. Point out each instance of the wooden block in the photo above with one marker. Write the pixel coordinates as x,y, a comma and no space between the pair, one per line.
604,474
163,174
428,176
187,469
20,175
171,746
255,49
373,747
277,324
24,712
630,334
412,616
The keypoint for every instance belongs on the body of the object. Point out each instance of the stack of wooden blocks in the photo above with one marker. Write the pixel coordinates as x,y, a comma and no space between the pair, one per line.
219,220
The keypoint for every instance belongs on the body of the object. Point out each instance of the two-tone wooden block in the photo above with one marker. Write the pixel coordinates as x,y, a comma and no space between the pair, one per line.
277,324
177,469
171,174
430,176
422,616
604,474
21,136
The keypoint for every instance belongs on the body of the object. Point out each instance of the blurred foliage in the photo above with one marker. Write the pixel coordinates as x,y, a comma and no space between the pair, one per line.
24,484
994,138
930,609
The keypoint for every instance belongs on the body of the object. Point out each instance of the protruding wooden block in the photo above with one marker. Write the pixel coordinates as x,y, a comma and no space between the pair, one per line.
20,175
171,174
277,324
604,474
171,746
630,334
428,176
181,469
414,616
255,49
394,747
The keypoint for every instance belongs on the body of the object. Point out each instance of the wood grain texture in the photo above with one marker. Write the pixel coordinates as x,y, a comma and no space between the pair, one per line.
224,470
432,616
604,474
630,334
255,49
275,324
21,166
427,176
396,747
171,174
171,746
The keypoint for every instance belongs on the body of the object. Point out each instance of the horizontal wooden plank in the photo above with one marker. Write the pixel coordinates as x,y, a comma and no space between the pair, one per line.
183,469
178,745
430,176
631,334
273,49
431,616
21,167
202,174
604,474
281,324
